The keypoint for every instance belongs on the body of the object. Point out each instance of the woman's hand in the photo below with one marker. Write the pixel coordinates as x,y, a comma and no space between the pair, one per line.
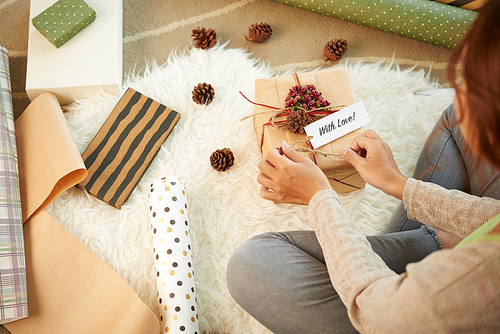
290,178
374,161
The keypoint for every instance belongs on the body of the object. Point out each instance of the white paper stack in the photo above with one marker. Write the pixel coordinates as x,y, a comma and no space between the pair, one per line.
88,64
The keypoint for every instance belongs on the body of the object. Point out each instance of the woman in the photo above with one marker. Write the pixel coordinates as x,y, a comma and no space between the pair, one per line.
336,280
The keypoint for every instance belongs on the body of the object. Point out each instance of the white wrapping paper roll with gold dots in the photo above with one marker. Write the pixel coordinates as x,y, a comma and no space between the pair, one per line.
173,261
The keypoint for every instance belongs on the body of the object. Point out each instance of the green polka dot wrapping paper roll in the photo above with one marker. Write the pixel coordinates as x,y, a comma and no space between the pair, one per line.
173,260
63,20
423,20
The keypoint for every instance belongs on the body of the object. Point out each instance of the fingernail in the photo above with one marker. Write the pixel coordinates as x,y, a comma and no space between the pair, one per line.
343,151
285,144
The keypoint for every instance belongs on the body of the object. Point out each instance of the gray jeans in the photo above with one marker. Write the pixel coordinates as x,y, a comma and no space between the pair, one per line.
281,278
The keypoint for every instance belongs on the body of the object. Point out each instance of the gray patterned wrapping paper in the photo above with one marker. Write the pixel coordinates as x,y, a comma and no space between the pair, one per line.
13,289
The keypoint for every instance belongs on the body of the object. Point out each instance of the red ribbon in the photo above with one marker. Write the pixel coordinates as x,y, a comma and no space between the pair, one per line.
314,115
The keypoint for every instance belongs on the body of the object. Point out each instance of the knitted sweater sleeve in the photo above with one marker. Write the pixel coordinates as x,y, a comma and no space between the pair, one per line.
424,299
450,210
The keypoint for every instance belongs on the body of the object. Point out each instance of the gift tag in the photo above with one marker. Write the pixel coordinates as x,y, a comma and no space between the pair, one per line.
337,125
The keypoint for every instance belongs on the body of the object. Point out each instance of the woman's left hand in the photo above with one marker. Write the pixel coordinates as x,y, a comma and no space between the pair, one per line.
291,177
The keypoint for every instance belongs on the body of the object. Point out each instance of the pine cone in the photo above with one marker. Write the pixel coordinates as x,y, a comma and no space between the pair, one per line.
203,93
296,121
204,39
221,160
335,49
259,32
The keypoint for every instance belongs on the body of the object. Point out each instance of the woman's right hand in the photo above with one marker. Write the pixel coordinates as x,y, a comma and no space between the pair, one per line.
373,160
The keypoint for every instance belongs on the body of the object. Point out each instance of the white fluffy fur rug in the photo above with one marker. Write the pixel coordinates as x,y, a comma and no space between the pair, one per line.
225,209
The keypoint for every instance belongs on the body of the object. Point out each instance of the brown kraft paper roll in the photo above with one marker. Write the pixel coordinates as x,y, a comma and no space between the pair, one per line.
70,289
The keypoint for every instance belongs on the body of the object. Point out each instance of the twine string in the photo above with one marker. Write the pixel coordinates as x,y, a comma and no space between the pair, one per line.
311,150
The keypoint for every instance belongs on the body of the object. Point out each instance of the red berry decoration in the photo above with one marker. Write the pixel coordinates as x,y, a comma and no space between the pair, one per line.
300,100
306,97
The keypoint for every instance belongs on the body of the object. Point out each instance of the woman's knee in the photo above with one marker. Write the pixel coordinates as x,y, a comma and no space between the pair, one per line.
448,118
248,266
450,123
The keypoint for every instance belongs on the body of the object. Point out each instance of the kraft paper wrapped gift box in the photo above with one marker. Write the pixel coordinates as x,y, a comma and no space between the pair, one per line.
335,86
125,146
63,20
87,64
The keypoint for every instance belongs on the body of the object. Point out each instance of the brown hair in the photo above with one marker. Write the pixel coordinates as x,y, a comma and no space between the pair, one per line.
479,57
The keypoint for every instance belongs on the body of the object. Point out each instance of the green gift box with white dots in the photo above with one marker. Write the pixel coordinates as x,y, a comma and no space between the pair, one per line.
423,20
63,20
